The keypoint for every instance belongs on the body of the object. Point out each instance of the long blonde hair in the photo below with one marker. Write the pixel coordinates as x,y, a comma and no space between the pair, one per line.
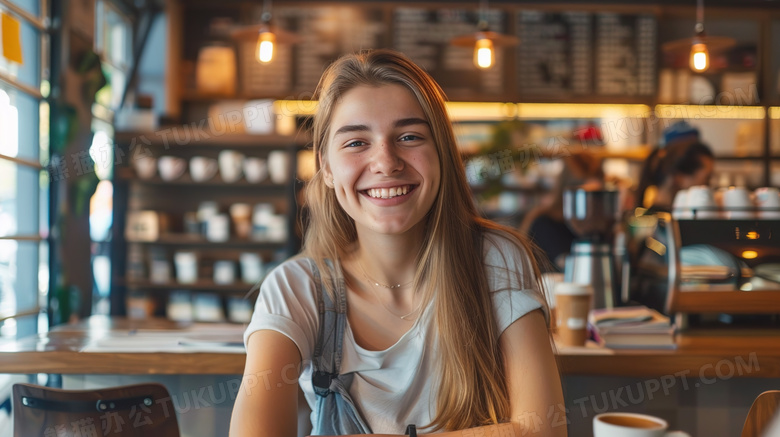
472,388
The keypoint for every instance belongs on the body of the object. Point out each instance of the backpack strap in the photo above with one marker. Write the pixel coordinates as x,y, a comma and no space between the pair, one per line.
333,322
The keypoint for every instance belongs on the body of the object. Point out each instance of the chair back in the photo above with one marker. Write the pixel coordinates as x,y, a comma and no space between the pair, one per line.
127,411
761,413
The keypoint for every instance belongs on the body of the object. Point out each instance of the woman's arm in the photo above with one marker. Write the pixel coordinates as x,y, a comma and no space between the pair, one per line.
267,402
535,393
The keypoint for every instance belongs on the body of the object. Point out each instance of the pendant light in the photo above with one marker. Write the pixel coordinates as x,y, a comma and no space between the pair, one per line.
700,46
266,36
484,41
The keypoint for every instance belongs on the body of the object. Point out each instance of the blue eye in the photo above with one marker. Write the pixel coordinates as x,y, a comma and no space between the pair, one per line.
355,144
409,138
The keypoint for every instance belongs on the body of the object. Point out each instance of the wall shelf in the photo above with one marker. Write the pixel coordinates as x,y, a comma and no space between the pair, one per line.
192,240
200,285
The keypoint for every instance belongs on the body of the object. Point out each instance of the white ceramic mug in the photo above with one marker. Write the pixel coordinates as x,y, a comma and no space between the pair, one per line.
224,272
768,202
702,201
171,167
230,163
632,425
278,166
255,169
737,203
186,267
202,169
680,208
145,167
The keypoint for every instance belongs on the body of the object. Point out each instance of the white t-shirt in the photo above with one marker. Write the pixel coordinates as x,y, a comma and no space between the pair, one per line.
393,387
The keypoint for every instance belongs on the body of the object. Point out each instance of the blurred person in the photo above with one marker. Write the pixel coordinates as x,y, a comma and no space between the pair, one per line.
683,162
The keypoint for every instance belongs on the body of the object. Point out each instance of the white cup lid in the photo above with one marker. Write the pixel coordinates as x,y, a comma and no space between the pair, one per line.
572,288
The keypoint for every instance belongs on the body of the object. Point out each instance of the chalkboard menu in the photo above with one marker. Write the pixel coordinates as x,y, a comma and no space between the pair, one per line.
580,53
625,54
562,55
424,35
554,56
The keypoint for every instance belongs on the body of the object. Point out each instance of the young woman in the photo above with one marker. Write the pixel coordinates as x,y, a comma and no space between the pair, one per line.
404,308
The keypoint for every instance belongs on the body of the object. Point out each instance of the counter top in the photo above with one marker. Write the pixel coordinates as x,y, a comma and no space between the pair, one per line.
72,349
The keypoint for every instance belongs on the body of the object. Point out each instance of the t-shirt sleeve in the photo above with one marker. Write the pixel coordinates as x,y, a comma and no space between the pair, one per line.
512,282
287,304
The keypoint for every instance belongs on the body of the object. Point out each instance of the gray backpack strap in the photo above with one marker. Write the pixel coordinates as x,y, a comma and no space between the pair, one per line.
330,338
335,412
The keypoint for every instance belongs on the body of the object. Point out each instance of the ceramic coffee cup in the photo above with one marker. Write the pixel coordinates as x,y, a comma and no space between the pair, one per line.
145,167
255,169
171,167
701,202
737,203
278,166
680,208
203,169
230,163
632,425
768,202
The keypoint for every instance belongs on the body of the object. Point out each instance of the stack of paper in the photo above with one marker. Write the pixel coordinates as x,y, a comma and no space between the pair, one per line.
632,327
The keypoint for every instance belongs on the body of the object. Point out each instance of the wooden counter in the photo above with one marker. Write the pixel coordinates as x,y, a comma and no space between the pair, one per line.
61,351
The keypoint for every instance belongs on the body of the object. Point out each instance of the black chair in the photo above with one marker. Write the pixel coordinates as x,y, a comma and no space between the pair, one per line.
127,411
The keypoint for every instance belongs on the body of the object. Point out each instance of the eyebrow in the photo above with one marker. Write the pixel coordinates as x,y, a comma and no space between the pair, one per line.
362,127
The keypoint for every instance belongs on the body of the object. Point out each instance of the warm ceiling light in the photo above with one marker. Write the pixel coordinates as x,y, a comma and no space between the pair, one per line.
266,36
484,57
484,41
265,46
700,46
700,58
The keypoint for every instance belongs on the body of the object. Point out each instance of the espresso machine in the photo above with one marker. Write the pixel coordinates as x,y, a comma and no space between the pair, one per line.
592,215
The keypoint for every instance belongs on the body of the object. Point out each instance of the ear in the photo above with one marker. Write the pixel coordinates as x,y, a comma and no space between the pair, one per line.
325,169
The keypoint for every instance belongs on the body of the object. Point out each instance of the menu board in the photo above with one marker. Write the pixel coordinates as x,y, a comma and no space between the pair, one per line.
424,35
625,54
562,54
554,56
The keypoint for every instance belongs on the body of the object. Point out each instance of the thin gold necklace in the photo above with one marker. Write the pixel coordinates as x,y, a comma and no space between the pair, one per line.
392,287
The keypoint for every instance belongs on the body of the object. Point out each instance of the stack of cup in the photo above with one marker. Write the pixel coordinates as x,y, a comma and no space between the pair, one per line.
768,202
572,305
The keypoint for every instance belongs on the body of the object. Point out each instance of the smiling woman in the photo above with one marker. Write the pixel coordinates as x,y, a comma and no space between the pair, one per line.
404,307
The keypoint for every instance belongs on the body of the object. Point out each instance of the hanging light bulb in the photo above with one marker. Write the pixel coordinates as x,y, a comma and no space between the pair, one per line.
700,57
265,46
484,53
698,47
484,41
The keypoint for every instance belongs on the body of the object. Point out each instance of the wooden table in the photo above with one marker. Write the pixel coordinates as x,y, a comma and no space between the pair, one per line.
61,351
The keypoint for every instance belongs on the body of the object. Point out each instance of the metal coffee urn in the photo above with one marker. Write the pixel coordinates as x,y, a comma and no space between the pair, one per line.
591,215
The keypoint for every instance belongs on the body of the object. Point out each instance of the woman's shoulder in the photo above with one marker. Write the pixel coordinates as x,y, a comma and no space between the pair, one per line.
507,259
295,275
499,244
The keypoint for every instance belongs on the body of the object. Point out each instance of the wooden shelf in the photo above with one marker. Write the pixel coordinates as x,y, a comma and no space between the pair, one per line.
129,174
192,240
535,189
746,158
164,137
200,285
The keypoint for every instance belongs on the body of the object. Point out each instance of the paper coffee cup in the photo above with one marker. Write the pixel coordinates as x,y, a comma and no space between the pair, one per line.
572,304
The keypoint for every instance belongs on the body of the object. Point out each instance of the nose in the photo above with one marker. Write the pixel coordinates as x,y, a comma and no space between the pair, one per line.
385,159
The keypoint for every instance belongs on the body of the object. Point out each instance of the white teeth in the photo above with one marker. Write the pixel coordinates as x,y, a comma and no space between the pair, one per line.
387,193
